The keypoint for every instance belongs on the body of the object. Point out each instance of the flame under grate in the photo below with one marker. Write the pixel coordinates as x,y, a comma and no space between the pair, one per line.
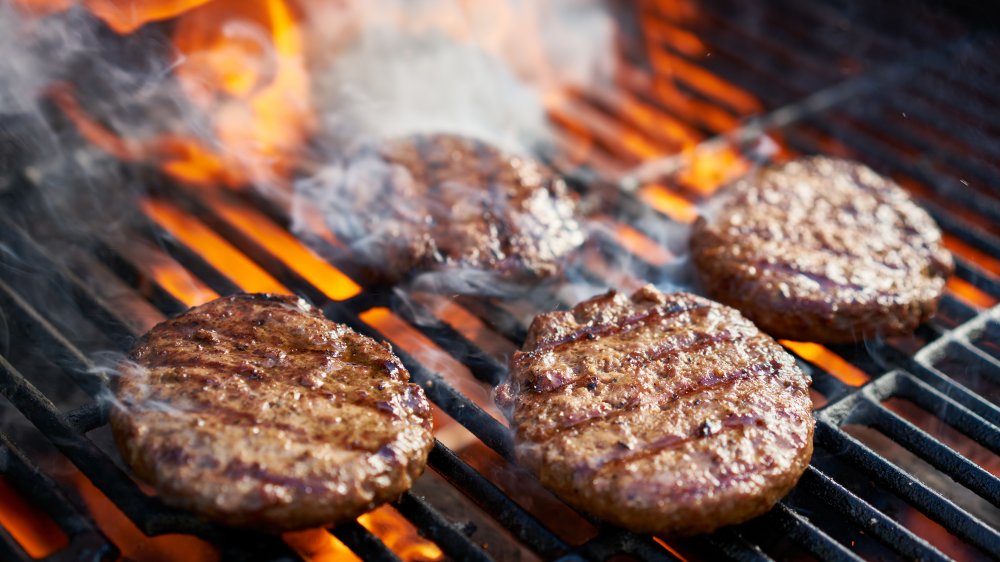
908,111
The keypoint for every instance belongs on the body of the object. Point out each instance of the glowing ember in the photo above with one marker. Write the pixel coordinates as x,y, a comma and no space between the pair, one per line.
37,534
967,252
708,168
318,545
287,248
666,201
427,353
132,542
212,247
829,361
641,245
969,293
399,535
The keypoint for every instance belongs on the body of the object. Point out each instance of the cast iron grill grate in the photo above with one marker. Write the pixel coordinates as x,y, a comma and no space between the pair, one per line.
950,369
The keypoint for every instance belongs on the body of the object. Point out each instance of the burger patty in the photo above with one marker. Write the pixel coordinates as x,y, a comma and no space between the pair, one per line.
663,413
433,202
823,250
255,410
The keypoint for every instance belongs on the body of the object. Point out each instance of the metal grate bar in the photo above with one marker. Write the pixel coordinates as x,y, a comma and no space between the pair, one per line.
61,281
934,452
808,535
148,513
612,541
65,355
915,492
434,526
521,523
85,541
930,399
873,521
361,541
874,149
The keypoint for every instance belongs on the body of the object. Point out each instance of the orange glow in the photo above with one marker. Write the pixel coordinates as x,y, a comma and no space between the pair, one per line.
169,274
681,39
132,542
708,168
285,247
969,293
704,81
399,534
37,534
668,202
180,284
576,117
638,243
653,120
244,65
828,361
185,159
433,357
126,17
211,247
669,548
318,545
974,255
470,326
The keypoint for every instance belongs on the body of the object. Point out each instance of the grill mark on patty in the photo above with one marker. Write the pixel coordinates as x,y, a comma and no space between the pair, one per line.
627,454
671,346
703,384
181,417
624,326
759,430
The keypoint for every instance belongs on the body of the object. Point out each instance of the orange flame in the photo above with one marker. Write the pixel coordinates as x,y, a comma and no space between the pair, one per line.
399,535
242,64
285,247
126,17
212,247
428,353
245,66
133,543
665,200
969,293
828,360
318,545
37,534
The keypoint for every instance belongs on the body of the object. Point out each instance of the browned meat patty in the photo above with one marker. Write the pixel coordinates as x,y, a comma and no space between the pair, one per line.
661,413
445,202
255,410
823,250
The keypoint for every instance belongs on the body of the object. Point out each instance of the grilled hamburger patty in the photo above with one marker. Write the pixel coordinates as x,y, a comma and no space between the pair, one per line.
255,410
821,249
664,413
431,202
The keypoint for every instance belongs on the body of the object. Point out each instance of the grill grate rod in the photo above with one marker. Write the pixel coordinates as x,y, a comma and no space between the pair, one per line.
952,517
85,541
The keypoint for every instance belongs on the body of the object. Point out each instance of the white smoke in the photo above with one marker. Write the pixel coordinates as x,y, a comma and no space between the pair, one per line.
479,68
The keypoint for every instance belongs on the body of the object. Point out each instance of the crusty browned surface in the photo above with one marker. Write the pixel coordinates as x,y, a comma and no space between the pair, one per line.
440,202
823,250
254,410
663,413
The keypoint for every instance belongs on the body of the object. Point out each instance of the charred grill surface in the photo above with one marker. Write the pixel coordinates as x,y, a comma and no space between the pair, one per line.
255,410
821,249
661,413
